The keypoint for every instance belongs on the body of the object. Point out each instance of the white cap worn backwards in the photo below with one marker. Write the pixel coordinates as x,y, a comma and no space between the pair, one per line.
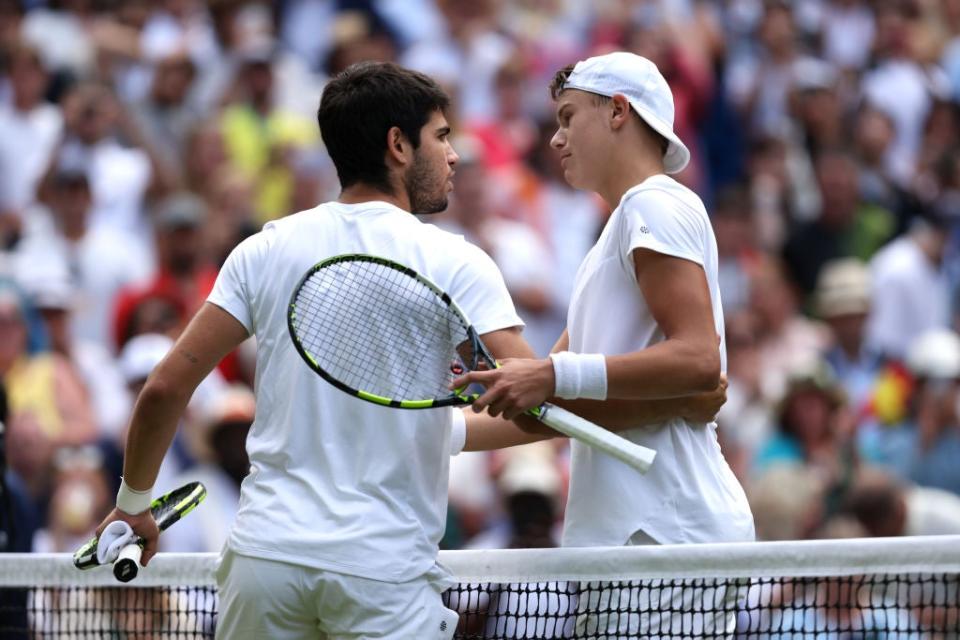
644,87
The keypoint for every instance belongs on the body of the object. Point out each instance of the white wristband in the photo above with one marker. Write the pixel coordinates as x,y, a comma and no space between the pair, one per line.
458,432
131,501
580,375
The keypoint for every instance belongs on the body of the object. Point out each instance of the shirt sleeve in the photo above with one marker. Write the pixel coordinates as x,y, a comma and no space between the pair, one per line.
482,295
657,221
238,280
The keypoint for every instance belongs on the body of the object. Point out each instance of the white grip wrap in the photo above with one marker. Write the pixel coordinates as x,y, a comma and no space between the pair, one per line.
580,375
635,455
131,500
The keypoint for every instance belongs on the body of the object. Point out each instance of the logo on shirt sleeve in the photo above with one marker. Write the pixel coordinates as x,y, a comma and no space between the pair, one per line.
644,229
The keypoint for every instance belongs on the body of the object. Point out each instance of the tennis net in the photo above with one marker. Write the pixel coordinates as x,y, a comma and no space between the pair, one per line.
903,588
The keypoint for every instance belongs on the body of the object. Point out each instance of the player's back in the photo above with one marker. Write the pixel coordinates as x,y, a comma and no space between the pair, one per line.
336,482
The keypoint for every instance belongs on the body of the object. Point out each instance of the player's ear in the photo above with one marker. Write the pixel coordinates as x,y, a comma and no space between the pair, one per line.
619,110
399,149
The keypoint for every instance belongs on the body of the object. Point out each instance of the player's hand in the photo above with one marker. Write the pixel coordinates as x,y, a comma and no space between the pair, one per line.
704,407
515,387
142,524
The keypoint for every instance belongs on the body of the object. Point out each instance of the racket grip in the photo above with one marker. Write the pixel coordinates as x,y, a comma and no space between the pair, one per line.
567,423
127,564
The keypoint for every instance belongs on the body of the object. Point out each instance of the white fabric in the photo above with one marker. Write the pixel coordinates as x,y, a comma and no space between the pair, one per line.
645,89
910,296
932,512
133,501
458,432
101,263
119,177
266,599
338,483
690,494
26,142
114,538
579,375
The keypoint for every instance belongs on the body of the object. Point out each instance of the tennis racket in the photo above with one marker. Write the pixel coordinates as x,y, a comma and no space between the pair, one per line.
166,510
385,334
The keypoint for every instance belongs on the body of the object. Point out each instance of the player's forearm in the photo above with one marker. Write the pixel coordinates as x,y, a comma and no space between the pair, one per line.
484,432
669,369
152,428
620,415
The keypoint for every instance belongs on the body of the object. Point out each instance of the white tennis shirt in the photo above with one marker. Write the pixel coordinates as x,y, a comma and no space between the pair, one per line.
338,483
690,494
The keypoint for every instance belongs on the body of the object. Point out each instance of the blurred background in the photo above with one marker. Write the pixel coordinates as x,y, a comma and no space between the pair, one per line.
141,141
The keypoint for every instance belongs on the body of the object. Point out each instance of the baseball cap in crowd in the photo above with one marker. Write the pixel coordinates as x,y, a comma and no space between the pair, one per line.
644,87
178,211
141,354
843,288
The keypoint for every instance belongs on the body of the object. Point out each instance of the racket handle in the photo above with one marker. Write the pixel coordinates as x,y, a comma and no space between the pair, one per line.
127,564
567,423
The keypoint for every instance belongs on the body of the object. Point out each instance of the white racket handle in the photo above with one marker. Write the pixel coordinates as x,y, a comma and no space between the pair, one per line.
635,455
127,564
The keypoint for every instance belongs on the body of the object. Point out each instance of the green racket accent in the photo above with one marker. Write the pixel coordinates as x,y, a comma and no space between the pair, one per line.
167,509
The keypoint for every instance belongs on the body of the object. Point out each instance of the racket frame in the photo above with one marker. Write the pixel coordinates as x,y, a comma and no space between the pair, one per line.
566,422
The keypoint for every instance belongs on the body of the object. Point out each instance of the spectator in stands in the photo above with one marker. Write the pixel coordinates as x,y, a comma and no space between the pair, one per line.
886,506
98,260
48,403
934,420
815,429
121,178
529,485
787,501
910,290
184,276
29,131
54,297
80,497
784,336
842,301
845,227
262,138
166,116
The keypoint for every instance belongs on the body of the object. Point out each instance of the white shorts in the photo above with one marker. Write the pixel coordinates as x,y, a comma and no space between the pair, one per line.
268,599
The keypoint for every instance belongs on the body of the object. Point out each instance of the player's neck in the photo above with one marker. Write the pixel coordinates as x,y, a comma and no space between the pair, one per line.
628,173
359,193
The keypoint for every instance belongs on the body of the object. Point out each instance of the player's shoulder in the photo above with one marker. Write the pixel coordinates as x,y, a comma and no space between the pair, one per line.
661,198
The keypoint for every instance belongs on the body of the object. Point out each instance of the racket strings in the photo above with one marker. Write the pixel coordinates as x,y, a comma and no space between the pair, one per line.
379,330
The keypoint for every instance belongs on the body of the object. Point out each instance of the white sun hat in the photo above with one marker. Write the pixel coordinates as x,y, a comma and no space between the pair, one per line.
644,87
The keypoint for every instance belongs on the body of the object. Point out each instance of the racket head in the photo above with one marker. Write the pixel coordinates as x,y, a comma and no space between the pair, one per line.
166,510
382,332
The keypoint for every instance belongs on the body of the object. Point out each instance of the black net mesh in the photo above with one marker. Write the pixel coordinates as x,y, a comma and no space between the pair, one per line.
874,606
377,329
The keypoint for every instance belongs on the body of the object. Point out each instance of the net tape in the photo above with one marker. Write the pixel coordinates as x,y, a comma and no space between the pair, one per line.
896,588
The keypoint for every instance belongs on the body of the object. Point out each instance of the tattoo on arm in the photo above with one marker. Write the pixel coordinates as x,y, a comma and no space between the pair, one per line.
189,356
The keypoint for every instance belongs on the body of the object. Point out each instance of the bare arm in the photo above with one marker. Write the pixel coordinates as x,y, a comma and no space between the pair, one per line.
211,335
485,432
686,362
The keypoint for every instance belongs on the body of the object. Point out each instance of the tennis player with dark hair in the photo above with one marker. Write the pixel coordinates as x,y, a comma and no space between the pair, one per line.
341,515
643,323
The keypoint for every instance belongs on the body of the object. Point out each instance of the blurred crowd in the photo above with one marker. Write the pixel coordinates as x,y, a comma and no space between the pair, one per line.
141,141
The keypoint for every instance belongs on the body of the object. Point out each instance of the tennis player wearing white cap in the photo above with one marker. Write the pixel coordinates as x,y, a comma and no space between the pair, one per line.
643,323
